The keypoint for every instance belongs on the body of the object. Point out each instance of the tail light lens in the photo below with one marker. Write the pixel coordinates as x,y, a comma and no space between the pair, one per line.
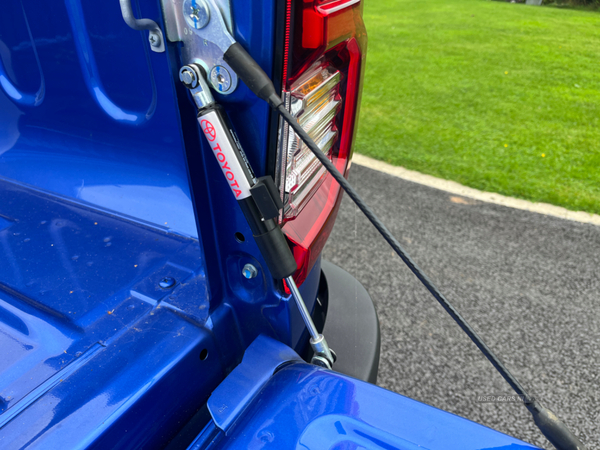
315,101
322,81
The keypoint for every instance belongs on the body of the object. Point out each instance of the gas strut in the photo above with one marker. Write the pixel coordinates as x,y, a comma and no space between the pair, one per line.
258,198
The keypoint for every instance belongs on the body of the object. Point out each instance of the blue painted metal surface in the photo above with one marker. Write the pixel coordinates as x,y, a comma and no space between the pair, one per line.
90,341
88,111
87,335
96,209
261,359
306,407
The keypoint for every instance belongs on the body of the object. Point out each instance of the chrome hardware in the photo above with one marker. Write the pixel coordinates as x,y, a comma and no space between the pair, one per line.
157,42
249,271
323,355
204,27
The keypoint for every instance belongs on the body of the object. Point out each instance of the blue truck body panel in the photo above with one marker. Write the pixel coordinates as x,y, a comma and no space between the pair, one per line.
107,189
306,407
105,127
89,112
92,347
287,403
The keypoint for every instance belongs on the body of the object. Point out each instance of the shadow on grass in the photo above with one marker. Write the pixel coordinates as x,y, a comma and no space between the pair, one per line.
578,5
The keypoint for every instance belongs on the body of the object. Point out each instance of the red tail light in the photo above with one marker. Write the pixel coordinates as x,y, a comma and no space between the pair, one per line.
322,81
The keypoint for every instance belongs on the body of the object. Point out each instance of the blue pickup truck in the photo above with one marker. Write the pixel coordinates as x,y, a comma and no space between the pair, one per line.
136,310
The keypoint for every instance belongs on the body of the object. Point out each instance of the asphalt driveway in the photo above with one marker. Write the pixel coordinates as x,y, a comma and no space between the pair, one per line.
528,283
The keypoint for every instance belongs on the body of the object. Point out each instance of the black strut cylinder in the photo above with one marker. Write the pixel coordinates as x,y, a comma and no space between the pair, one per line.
270,240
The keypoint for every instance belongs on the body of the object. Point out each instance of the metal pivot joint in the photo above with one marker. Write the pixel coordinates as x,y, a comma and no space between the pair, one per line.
323,355
192,77
204,27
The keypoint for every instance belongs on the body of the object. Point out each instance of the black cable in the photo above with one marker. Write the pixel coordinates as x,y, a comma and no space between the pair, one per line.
258,81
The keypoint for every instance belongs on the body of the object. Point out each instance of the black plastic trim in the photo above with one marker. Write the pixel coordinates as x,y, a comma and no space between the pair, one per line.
351,326
277,74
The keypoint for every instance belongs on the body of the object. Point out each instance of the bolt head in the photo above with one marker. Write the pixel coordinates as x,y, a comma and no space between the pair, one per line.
187,76
249,271
167,283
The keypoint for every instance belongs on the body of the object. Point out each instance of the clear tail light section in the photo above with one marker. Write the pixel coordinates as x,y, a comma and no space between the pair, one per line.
325,45
315,101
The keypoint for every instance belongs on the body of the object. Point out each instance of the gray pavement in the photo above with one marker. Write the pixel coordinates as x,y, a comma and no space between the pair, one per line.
528,283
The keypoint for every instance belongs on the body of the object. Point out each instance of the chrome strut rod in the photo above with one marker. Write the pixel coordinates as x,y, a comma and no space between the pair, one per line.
324,356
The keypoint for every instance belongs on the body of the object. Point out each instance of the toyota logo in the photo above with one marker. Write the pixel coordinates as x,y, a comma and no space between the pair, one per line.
209,130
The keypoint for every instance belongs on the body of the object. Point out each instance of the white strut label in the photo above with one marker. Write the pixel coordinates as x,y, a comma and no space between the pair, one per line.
226,156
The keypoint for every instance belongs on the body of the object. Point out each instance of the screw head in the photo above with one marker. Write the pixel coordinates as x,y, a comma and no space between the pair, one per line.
196,13
220,78
167,283
154,39
249,271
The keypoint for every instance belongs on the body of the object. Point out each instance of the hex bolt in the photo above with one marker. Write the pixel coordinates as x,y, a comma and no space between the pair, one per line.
167,283
249,271
187,76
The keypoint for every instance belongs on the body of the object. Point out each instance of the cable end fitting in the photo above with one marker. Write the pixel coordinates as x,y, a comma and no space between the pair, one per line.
553,428
252,74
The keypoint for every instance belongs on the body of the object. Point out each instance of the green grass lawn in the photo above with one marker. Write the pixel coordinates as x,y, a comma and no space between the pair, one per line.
497,96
